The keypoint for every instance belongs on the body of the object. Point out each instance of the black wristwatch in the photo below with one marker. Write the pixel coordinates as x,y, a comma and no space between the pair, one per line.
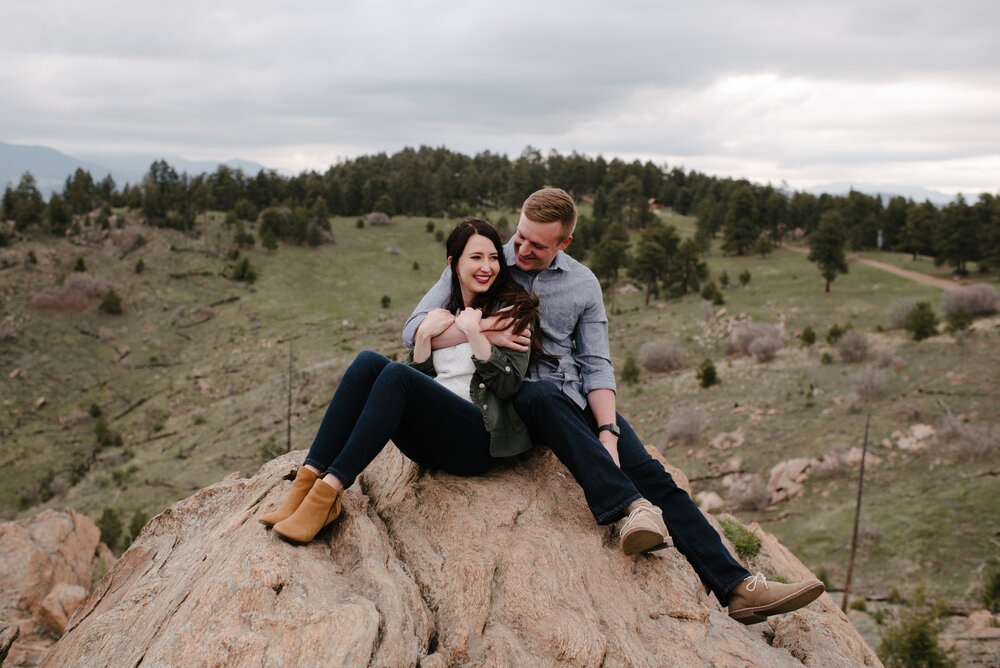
613,428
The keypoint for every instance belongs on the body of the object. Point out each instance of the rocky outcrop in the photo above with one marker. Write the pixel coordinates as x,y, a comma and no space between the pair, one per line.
47,562
426,568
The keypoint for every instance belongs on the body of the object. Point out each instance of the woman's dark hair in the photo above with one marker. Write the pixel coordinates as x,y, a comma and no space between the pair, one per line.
504,292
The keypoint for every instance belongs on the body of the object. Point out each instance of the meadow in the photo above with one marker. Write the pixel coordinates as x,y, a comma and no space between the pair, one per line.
203,376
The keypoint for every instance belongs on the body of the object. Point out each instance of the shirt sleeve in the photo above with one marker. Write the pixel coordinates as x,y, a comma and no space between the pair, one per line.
504,371
436,297
593,352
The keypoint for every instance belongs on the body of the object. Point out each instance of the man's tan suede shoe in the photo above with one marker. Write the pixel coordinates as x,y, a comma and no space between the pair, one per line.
755,599
644,529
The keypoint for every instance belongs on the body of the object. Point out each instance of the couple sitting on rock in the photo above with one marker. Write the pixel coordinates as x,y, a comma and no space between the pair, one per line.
494,368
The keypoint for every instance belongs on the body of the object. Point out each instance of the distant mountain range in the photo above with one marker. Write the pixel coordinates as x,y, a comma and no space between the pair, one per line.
916,193
51,167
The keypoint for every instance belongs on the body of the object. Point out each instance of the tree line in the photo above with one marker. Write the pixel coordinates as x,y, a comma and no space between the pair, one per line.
750,217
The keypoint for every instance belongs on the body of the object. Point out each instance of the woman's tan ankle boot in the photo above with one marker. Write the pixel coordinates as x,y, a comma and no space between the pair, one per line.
304,479
320,507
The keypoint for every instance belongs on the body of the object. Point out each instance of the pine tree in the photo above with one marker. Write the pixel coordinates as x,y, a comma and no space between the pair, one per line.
826,247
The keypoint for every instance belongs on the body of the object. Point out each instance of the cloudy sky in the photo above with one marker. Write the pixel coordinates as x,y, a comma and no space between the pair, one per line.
795,91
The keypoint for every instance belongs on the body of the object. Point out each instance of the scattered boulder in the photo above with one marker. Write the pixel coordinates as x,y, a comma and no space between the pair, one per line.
788,477
508,568
47,562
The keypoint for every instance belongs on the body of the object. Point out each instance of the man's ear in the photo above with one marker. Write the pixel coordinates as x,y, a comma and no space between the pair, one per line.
565,242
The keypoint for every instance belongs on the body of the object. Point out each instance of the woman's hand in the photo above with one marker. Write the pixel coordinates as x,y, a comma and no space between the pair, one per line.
469,320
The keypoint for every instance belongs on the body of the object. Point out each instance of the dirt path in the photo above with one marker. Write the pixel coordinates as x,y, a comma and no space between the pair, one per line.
932,281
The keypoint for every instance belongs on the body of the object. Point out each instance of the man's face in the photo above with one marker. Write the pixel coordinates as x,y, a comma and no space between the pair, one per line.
536,244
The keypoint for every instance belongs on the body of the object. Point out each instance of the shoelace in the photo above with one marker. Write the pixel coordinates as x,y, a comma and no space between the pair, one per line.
752,584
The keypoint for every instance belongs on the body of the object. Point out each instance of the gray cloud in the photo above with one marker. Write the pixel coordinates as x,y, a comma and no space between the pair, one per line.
255,80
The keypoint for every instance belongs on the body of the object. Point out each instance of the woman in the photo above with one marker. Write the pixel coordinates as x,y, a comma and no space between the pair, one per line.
447,409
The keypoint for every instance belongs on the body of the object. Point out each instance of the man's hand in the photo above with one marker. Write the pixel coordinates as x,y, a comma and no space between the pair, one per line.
435,322
499,329
610,443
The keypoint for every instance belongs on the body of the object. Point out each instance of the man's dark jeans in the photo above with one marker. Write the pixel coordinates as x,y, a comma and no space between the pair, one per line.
554,420
378,400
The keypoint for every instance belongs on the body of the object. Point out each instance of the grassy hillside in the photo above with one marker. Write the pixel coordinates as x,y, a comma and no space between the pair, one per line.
194,377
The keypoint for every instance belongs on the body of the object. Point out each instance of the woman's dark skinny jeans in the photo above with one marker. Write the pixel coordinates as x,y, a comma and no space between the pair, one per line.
378,400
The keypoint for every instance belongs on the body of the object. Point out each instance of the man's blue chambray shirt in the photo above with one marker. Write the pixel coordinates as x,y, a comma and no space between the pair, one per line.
574,323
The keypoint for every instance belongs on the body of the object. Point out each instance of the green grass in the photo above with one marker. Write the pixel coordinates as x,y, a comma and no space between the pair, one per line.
195,400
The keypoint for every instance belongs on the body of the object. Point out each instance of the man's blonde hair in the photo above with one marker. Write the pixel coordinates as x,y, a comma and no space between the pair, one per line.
551,205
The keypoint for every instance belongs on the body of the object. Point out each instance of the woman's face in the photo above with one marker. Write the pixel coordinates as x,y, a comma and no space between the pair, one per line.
478,267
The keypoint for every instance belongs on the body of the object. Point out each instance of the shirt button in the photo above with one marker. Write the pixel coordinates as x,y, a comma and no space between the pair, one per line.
507,369
482,386
485,406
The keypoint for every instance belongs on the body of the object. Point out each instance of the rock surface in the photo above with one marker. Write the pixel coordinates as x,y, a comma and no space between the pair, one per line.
426,568
46,561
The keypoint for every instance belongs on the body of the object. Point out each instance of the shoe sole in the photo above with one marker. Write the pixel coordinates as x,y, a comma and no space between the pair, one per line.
793,601
643,540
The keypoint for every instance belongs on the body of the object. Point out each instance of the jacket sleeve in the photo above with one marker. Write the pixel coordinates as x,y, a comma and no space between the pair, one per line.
504,371
426,367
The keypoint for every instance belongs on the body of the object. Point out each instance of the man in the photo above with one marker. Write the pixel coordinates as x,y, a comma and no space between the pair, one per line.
569,405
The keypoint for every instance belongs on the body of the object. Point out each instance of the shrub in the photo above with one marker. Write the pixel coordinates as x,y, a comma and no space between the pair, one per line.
959,321
922,321
686,426
977,299
808,336
886,357
826,358
416,266
914,641
834,334
139,266
138,521
430,226
630,370
859,604
79,265
764,349
762,340
244,271
900,311
746,542
32,258
711,293
660,357
386,301
745,277
724,279
110,525
853,347
439,236
359,223
991,589
706,373
95,411
111,303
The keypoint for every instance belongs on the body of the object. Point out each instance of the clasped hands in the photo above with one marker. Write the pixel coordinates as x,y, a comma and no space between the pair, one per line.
498,328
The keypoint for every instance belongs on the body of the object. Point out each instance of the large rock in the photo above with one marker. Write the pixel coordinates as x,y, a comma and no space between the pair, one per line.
503,569
46,561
